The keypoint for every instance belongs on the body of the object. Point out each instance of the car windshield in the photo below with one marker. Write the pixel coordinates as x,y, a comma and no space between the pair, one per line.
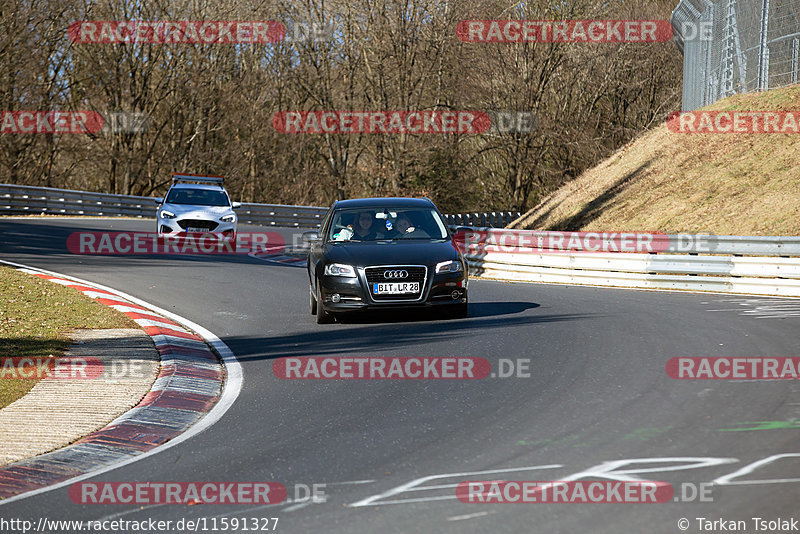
198,197
381,224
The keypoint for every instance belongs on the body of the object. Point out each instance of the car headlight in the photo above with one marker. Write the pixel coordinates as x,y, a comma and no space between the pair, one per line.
167,214
339,269
452,266
228,218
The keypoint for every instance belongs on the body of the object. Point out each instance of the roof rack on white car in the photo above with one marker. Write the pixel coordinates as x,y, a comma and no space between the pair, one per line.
197,179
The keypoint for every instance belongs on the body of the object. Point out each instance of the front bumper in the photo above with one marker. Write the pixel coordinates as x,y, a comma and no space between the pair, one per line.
445,289
181,226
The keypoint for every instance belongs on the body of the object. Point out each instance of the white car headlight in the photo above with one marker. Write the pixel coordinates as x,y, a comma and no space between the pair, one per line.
452,266
339,269
167,214
228,218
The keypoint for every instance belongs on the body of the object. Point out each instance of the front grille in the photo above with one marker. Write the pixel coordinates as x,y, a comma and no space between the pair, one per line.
375,275
197,223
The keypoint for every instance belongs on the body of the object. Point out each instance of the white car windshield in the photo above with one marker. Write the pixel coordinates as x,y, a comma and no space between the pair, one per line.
197,197
381,224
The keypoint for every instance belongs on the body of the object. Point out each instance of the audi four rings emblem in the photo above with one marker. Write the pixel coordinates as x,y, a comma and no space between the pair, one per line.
395,274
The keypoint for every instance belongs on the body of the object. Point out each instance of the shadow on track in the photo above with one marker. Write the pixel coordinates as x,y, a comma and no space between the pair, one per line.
414,331
476,309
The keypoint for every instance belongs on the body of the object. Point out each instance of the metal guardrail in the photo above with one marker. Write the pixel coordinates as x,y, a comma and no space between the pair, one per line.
761,265
736,264
494,219
30,200
281,215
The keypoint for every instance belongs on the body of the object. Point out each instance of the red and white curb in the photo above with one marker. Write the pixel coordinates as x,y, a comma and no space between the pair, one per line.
193,390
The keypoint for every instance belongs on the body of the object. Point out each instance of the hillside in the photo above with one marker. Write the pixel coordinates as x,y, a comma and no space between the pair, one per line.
740,184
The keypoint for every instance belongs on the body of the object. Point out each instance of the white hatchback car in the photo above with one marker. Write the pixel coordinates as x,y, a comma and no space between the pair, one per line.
196,204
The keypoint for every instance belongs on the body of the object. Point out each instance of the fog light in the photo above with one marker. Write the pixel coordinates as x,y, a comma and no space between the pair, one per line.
335,298
455,294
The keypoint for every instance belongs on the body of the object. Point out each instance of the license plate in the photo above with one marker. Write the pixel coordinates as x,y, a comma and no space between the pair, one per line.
395,288
196,230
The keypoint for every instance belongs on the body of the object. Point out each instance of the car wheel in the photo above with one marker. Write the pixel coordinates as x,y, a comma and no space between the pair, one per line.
323,317
312,302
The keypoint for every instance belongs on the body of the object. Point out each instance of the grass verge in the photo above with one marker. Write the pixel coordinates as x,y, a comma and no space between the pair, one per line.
728,184
35,318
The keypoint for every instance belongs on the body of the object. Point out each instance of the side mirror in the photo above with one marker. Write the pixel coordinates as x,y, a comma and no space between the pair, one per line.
310,237
463,229
159,200
236,205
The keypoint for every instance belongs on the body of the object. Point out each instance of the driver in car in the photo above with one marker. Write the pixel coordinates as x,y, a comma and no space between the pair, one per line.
362,227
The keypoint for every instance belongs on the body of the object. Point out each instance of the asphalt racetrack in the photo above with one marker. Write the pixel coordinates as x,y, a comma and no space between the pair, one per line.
595,401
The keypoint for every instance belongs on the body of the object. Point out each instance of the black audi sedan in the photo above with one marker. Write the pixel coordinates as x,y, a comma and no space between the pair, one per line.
384,253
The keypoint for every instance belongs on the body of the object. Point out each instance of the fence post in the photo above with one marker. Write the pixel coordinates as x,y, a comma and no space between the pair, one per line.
763,48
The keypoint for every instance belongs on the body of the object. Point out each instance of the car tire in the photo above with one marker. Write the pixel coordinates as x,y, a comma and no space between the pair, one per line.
312,302
323,317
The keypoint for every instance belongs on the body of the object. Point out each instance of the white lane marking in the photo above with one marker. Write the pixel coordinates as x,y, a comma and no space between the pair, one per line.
230,391
297,506
762,308
132,511
414,485
746,470
469,516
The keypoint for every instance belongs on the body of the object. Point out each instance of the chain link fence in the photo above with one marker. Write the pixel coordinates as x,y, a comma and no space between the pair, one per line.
736,46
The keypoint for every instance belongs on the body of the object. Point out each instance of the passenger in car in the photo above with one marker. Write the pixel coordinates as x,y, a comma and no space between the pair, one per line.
402,226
